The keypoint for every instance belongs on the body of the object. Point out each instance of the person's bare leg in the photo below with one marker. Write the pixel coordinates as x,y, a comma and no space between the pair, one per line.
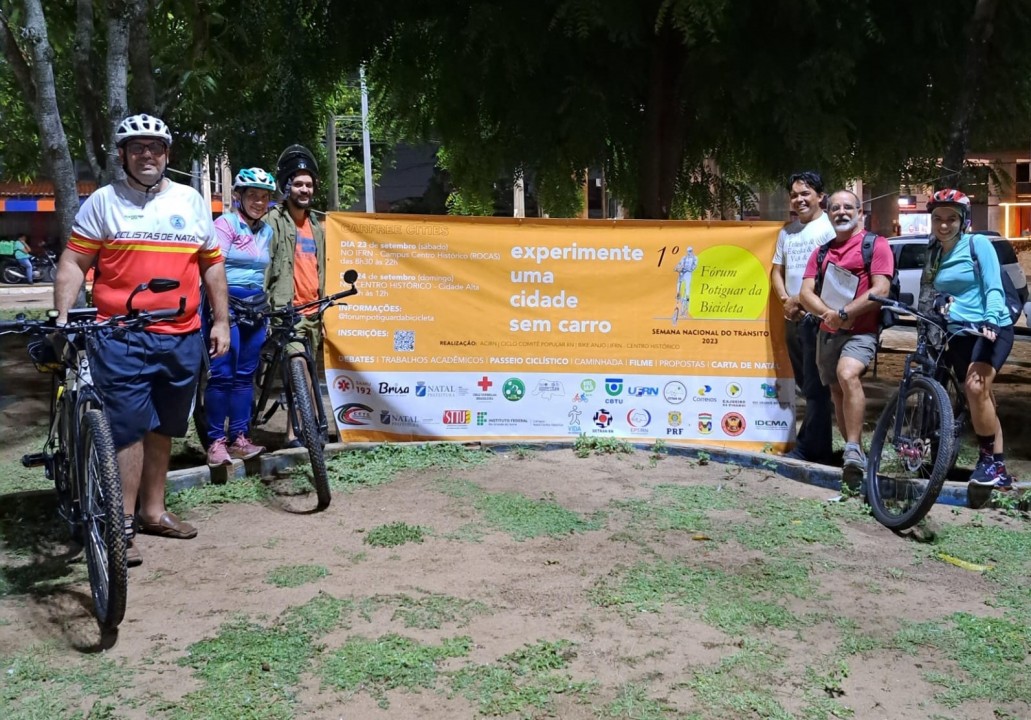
130,468
854,399
157,450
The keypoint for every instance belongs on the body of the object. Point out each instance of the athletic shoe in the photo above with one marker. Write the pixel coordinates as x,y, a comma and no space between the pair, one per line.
988,472
1003,483
243,449
218,454
854,468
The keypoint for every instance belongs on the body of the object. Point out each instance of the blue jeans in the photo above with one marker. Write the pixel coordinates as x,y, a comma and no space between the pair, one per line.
230,391
26,264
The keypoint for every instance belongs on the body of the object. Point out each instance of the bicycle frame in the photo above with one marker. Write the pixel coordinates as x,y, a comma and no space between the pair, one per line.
275,360
278,364
922,361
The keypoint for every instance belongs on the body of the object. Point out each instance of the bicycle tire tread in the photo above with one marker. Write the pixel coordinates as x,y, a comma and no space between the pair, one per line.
310,434
96,433
942,461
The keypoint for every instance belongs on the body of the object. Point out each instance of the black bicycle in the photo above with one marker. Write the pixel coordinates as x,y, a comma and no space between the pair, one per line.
79,454
916,441
298,373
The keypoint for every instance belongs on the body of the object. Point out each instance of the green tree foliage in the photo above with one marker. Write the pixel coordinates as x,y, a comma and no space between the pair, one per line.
651,88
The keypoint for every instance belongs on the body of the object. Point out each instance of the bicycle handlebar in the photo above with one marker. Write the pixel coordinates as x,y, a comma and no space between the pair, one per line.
84,322
324,303
897,306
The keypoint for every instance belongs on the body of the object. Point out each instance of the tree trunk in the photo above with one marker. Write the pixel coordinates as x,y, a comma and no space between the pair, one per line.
144,91
664,126
43,92
117,78
974,69
90,104
884,209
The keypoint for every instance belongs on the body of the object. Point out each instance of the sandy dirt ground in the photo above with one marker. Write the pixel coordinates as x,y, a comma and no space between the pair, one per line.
539,589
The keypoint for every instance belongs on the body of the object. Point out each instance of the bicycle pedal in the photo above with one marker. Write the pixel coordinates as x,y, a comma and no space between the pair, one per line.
33,460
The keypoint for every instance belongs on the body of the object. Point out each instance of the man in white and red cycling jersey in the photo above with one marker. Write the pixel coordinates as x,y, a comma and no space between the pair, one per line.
138,229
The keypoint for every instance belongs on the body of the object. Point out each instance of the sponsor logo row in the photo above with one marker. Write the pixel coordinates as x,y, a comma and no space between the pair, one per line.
636,421
514,389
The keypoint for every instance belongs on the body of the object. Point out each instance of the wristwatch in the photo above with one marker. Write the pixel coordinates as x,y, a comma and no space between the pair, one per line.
842,314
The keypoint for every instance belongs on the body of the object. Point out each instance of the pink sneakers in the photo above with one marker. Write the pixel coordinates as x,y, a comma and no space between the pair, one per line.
218,454
243,449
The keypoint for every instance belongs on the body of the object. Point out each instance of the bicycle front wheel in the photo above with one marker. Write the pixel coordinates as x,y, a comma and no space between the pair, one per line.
910,454
304,397
102,520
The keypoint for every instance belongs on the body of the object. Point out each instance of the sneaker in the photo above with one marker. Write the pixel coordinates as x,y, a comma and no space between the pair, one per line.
218,454
854,458
853,469
988,472
1003,482
243,449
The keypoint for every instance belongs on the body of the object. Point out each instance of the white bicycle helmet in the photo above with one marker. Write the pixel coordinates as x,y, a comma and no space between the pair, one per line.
254,178
142,126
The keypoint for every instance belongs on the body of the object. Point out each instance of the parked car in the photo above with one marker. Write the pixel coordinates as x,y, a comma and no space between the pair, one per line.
911,254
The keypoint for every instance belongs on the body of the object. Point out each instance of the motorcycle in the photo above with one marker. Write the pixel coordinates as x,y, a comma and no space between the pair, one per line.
44,269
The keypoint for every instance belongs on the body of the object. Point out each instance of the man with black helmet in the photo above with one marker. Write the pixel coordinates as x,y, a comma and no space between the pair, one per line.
296,273
136,229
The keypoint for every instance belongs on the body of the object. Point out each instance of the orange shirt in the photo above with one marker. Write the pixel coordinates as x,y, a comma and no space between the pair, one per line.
306,267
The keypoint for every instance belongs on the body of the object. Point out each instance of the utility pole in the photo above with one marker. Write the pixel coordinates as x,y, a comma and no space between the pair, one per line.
331,156
370,203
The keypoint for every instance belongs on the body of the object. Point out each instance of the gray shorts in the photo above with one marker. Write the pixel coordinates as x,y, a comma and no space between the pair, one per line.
831,346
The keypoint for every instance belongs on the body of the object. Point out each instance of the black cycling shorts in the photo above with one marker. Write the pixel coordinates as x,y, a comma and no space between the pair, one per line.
966,349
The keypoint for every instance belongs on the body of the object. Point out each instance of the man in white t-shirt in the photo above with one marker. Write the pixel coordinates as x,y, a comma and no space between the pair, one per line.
795,245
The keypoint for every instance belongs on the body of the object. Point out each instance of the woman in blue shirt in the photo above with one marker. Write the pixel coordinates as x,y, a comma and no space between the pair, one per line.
244,238
977,300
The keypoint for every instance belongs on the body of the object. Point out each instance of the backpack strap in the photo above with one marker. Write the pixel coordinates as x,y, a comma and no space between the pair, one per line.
821,256
868,242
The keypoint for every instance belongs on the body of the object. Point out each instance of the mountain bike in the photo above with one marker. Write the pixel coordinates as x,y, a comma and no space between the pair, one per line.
917,437
298,373
79,454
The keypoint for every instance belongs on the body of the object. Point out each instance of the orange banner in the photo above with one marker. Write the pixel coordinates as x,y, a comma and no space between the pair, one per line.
476,328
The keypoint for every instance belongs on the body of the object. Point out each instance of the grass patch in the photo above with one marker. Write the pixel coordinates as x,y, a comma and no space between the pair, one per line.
36,686
784,522
250,670
433,611
394,534
389,662
518,515
678,508
245,490
633,703
732,602
991,654
14,477
1007,551
295,575
585,446
368,468
743,684
524,682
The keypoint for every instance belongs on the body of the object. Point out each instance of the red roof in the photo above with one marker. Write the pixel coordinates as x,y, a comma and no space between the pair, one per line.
41,188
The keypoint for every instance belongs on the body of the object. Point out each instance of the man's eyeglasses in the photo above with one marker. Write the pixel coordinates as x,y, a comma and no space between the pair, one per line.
137,148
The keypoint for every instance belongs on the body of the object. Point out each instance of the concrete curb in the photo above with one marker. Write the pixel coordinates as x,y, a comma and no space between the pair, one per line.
809,473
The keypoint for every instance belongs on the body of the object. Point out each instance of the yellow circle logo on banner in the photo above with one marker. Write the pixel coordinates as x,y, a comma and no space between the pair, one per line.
729,284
